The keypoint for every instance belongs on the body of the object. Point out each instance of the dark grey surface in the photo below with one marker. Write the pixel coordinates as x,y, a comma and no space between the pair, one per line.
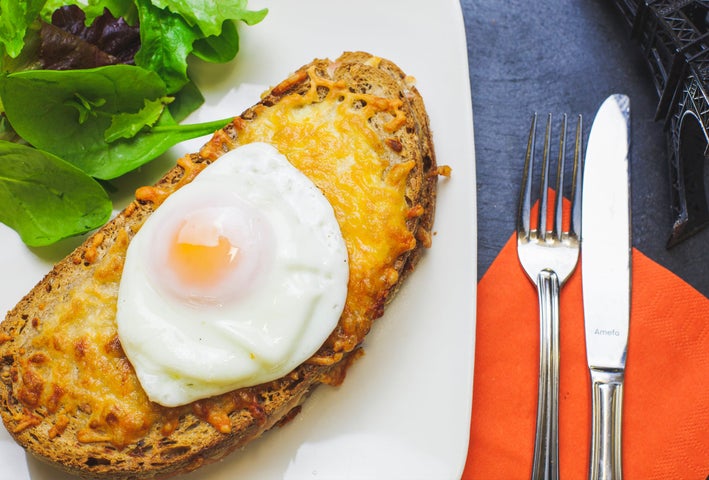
565,57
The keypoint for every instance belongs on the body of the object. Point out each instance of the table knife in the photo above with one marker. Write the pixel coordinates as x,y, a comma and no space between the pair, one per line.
605,257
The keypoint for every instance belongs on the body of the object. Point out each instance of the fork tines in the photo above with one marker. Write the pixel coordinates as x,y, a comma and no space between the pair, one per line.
539,229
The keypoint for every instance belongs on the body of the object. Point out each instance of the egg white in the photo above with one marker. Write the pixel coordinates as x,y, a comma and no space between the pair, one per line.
184,348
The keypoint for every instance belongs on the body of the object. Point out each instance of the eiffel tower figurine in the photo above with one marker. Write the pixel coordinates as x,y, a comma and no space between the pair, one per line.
674,38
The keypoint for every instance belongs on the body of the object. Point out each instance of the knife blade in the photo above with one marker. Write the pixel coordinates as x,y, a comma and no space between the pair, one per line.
606,277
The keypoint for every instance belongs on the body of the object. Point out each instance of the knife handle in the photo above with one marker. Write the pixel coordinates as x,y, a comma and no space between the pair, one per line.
607,402
546,443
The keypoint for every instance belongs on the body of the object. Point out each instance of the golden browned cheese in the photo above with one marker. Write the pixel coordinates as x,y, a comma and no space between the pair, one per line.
331,142
79,362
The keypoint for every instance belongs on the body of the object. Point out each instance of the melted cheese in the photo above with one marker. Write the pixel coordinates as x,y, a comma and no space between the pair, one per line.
332,143
84,369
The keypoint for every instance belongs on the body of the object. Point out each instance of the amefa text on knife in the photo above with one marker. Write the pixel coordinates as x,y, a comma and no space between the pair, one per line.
607,333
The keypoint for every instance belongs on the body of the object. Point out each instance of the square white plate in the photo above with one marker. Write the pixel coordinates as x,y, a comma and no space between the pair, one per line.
404,410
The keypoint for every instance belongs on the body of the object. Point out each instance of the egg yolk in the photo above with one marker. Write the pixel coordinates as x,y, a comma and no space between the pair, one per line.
200,256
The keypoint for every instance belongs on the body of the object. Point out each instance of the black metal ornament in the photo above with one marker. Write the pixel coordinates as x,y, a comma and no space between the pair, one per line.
674,38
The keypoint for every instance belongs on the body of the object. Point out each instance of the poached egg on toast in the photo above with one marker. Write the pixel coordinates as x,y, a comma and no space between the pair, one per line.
357,128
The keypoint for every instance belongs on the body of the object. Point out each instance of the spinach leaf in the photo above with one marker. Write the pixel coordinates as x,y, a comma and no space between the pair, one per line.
49,108
82,116
65,112
187,100
106,161
50,198
8,133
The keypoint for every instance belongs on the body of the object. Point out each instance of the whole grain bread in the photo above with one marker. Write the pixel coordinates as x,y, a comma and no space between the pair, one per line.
67,392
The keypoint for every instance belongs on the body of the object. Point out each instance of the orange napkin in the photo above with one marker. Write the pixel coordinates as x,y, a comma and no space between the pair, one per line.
666,394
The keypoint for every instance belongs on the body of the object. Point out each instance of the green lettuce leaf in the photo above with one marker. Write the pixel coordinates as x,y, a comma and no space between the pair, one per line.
15,19
209,16
94,8
218,48
127,125
166,42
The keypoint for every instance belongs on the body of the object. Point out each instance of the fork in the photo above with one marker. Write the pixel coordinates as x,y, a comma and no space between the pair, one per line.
549,257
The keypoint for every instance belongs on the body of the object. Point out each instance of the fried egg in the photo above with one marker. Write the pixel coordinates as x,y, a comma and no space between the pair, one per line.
237,278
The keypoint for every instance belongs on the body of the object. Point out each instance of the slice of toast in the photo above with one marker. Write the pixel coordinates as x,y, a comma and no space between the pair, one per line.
358,128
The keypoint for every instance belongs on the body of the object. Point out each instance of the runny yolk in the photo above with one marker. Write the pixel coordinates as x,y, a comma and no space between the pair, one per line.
201,257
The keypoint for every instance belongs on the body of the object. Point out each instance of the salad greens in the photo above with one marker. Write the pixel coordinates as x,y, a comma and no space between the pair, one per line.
49,197
92,89
107,121
15,19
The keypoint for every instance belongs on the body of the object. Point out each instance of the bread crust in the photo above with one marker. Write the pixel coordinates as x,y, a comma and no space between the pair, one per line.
192,441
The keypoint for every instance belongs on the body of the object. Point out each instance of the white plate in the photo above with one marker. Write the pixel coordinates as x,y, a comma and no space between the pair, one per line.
404,410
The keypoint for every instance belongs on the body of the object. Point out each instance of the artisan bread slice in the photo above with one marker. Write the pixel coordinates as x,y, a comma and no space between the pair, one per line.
358,128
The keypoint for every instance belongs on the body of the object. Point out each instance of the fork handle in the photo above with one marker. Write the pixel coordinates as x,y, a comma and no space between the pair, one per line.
546,443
